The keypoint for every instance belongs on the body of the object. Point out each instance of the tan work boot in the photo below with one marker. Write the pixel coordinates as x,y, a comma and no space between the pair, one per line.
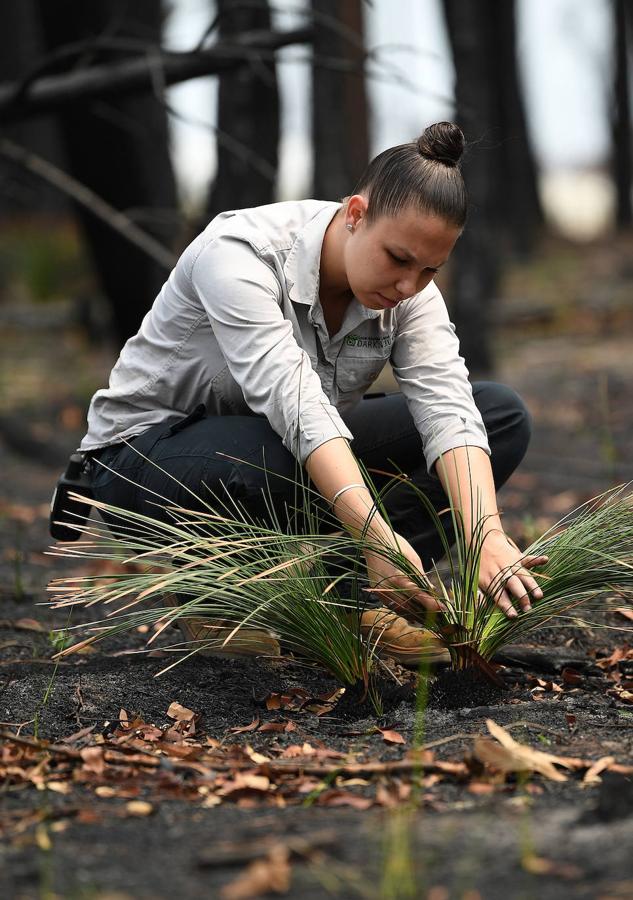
395,637
211,634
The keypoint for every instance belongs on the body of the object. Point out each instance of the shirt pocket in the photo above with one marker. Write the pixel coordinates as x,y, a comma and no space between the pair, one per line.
357,373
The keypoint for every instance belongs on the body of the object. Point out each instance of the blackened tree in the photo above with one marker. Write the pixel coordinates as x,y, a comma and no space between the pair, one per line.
118,148
21,193
622,138
499,166
248,117
339,102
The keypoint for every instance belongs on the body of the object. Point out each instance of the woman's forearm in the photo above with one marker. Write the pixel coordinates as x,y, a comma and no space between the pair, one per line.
333,466
466,476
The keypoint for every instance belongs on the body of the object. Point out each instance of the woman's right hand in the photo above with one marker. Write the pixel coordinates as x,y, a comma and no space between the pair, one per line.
393,585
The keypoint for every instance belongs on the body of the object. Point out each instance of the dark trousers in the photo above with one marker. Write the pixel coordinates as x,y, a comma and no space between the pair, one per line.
242,458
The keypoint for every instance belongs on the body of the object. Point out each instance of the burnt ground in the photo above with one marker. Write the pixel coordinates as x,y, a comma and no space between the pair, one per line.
460,833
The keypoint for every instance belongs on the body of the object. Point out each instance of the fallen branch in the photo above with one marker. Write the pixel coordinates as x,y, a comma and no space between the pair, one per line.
53,93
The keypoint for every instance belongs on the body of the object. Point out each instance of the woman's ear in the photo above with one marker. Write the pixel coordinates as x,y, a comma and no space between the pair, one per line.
356,209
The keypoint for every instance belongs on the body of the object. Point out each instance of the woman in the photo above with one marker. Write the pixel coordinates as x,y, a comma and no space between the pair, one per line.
277,320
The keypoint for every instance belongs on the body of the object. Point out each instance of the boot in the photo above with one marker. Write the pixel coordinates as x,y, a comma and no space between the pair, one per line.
408,644
210,635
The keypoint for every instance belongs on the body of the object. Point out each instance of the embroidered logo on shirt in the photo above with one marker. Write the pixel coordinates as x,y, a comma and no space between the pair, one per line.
357,340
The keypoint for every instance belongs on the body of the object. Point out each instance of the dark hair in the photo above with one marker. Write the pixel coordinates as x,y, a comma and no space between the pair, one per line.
424,174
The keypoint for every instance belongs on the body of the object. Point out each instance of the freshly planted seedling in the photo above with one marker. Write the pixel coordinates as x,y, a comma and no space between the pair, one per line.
589,552
308,587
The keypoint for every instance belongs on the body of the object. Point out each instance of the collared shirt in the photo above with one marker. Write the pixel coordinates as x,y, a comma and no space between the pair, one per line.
239,326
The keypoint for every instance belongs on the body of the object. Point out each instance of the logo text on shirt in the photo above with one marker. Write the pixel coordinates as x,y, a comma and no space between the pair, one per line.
357,340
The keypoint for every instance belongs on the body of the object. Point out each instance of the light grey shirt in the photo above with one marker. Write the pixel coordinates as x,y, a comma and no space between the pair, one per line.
239,326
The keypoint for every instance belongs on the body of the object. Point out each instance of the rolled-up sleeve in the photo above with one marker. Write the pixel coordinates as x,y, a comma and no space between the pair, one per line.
241,295
433,377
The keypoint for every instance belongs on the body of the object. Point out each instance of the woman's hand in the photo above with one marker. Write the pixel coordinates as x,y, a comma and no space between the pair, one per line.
504,574
393,585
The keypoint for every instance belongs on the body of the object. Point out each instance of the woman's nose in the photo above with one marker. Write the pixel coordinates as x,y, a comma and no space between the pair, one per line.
407,286
413,283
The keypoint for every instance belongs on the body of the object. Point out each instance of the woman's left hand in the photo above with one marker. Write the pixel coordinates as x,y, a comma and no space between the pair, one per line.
504,574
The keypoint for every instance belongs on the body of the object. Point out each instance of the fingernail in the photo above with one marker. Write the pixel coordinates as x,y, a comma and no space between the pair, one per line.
512,613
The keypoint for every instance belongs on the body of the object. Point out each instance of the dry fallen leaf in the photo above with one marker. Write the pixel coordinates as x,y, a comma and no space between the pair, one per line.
59,787
510,756
254,725
608,662
276,726
294,750
571,676
257,758
104,790
543,684
138,808
592,775
391,737
93,759
180,713
621,695
273,701
23,624
246,781
263,876
344,798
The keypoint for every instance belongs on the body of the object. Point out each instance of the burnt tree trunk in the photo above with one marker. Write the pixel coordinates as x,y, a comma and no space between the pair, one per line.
339,102
474,270
517,202
248,119
118,148
499,167
622,139
22,193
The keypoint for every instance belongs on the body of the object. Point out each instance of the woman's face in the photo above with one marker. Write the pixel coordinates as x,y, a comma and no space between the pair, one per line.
394,257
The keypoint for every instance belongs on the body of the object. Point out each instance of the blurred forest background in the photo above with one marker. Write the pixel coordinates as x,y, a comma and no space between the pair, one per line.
126,126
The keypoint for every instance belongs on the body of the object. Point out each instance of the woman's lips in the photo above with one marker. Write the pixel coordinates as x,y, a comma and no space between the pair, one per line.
387,302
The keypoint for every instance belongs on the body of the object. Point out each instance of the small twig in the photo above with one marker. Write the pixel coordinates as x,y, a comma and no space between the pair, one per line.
57,749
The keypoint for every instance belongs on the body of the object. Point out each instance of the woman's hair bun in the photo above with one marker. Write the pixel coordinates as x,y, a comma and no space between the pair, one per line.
443,142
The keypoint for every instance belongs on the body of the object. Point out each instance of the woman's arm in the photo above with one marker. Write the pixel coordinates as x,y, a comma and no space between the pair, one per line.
332,466
466,475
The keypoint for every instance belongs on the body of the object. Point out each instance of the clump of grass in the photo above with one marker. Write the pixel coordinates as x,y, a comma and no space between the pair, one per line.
226,567
590,552
305,587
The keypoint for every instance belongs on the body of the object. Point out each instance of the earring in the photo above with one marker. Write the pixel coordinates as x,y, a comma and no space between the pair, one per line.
349,226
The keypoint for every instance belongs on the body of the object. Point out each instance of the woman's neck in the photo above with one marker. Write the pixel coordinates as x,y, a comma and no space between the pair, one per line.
333,281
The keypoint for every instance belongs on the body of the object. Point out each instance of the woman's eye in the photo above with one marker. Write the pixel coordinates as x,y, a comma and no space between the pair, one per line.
396,259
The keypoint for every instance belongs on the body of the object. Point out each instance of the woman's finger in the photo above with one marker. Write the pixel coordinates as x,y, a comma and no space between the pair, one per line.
531,585
530,561
428,602
401,597
515,587
505,605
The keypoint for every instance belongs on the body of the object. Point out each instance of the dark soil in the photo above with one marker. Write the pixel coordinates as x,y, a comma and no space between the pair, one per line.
506,840
462,689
